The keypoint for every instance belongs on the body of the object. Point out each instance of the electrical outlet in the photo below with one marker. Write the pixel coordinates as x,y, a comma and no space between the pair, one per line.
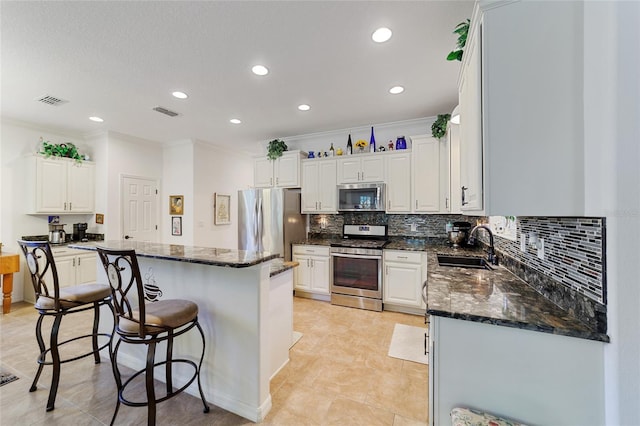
523,242
414,227
541,248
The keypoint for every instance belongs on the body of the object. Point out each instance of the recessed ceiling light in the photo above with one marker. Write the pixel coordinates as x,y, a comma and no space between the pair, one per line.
260,70
235,121
180,95
96,119
381,35
304,107
396,89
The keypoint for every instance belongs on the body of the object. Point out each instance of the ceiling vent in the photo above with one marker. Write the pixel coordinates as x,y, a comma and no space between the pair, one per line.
166,111
51,100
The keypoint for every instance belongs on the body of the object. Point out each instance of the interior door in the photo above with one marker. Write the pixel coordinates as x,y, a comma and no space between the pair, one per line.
139,209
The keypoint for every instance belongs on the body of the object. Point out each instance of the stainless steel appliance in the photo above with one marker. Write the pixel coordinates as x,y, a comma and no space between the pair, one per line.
57,235
459,233
270,220
80,232
361,197
356,267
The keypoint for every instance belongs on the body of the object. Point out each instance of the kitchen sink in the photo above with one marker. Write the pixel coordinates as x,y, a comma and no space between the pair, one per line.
463,262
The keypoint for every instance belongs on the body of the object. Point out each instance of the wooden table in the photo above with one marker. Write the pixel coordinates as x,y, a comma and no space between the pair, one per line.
9,263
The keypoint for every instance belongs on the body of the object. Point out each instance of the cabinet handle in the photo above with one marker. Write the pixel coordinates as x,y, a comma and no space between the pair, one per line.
277,180
446,203
320,204
389,204
308,263
78,261
270,181
402,257
73,262
312,263
416,204
65,206
70,208
464,203
386,270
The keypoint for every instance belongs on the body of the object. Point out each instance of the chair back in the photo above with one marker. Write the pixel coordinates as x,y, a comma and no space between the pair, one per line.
127,291
42,268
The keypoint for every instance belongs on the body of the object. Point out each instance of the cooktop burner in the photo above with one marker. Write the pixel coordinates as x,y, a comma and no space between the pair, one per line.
363,237
349,242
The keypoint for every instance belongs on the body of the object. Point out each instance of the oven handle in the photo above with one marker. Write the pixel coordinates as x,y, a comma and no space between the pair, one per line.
356,256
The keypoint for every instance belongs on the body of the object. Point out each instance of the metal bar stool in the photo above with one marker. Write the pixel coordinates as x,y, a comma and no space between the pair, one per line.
142,323
55,301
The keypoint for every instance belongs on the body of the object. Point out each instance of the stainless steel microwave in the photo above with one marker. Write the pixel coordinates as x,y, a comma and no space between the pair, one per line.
360,197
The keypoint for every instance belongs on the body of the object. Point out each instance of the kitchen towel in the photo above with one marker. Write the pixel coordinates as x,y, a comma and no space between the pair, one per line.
407,343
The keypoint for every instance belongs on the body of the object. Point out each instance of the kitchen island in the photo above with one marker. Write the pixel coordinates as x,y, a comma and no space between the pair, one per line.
245,313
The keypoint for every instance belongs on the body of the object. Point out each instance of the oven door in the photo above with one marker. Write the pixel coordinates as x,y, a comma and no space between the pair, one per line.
356,275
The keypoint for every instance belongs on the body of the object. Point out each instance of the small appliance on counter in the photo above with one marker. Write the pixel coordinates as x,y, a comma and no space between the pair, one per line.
459,233
80,232
57,235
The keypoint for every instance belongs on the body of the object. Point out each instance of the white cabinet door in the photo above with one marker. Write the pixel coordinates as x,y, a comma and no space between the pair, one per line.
426,174
81,187
86,268
349,170
287,171
310,186
471,129
302,273
66,267
51,185
327,191
398,182
373,168
403,284
263,173
320,274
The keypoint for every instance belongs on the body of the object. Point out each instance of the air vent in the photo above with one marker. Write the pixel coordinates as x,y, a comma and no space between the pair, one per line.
166,111
51,100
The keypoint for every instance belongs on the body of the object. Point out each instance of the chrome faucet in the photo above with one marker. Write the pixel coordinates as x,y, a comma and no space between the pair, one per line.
491,253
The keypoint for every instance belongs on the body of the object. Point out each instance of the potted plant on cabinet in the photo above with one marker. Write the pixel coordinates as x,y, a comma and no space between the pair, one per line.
275,149
439,127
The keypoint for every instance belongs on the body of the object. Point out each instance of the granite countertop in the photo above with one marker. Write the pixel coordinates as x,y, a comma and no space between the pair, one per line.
279,266
495,297
203,255
317,241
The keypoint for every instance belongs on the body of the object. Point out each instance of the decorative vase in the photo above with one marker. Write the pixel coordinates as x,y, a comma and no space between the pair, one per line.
372,142
401,143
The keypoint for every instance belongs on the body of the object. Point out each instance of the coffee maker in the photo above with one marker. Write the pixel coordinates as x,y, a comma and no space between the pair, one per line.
80,232
57,234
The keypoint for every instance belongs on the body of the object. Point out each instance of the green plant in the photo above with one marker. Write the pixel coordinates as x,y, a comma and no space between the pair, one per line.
67,150
462,29
439,127
276,148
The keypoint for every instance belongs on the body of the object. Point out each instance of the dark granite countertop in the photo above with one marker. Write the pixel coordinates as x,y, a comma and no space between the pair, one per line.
279,266
202,255
317,241
495,297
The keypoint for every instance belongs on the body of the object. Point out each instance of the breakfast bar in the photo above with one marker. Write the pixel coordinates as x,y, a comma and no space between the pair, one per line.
245,315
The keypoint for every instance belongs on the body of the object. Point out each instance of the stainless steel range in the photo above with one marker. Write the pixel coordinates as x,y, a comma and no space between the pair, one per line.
356,267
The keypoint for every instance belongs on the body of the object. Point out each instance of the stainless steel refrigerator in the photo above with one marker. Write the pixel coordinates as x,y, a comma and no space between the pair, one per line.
270,220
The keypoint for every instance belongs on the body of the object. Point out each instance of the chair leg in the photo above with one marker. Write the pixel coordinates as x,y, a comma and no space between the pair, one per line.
151,393
204,401
116,374
168,365
34,384
94,338
55,357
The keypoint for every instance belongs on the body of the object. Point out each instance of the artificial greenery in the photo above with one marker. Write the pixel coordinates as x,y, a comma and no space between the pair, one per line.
276,148
67,150
439,127
462,29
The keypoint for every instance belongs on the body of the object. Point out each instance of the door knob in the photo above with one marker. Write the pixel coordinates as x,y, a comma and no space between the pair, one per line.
126,237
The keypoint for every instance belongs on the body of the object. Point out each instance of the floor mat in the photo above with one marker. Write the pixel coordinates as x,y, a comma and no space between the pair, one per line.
407,343
7,378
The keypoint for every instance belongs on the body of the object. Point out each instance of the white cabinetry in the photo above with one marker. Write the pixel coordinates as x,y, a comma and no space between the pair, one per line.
311,277
522,116
361,168
398,172
319,193
404,273
431,193
74,267
60,185
283,172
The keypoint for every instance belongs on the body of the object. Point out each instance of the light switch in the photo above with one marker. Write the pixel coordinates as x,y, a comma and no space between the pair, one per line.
414,227
541,248
523,242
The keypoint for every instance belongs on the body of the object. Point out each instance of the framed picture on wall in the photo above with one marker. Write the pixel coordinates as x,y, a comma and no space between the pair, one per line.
176,226
221,209
176,204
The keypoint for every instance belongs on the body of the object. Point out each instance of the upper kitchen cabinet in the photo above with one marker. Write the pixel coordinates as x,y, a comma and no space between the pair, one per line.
283,172
60,185
430,177
361,168
398,174
319,193
520,93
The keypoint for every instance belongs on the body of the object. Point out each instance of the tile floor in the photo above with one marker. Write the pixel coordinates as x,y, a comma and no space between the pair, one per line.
339,374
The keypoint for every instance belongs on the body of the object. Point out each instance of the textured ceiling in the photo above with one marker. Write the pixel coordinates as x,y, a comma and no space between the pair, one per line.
118,60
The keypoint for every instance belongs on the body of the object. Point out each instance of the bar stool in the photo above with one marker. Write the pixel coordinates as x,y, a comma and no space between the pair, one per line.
142,323
55,301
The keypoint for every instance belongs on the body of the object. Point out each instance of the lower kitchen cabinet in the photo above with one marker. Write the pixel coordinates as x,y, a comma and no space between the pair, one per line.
74,267
404,273
311,277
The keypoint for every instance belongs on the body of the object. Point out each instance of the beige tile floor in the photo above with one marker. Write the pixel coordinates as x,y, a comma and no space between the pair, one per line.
339,374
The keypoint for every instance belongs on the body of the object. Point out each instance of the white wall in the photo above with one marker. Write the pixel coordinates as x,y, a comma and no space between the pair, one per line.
612,181
178,178
222,171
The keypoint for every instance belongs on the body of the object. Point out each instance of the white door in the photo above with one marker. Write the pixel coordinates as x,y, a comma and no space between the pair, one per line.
139,209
